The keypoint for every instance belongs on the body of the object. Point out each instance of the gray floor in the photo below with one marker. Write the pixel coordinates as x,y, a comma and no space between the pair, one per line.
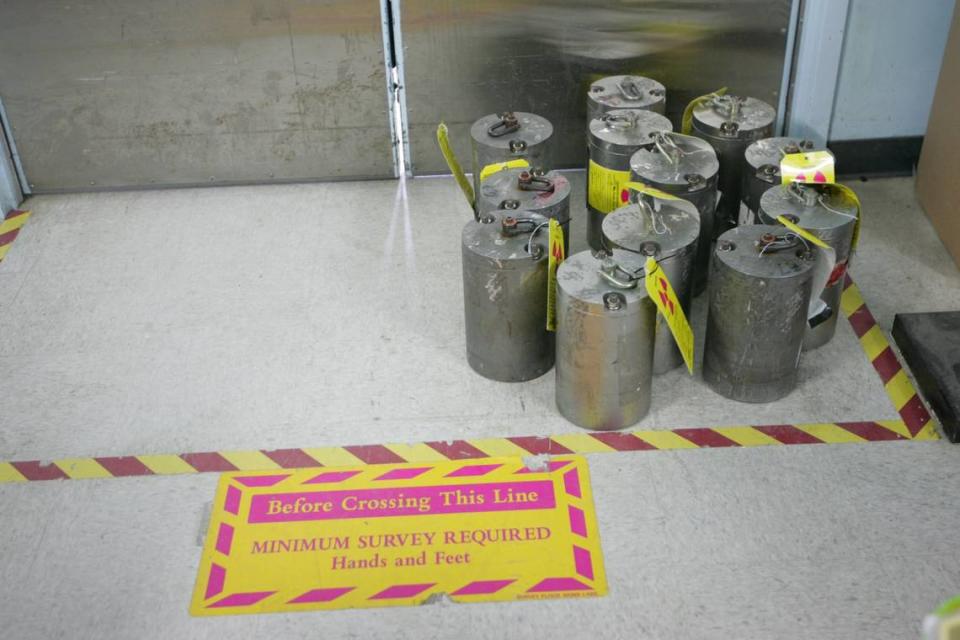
313,315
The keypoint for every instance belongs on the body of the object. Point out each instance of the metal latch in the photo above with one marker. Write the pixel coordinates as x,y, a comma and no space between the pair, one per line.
508,124
630,88
617,276
535,180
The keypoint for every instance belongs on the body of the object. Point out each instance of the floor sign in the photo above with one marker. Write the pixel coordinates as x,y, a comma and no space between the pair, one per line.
400,534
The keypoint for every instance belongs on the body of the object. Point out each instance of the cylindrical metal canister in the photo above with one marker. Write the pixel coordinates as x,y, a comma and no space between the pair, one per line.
505,295
761,169
546,193
605,333
666,230
686,167
759,294
826,213
625,92
730,124
514,135
613,138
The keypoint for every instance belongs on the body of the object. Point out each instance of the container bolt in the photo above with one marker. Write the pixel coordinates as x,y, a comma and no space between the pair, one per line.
791,148
791,218
769,170
509,222
613,301
656,92
729,127
649,248
694,178
726,245
596,88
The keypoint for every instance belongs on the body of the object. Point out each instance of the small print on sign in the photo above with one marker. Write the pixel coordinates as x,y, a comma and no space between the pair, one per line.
606,188
399,534
661,292
813,167
556,259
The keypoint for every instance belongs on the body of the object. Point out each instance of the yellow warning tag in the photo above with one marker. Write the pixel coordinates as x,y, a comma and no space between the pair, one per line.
639,187
852,198
803,233
687,122
606,188
812,167
661,292
443,139
490,169
385,535
556,259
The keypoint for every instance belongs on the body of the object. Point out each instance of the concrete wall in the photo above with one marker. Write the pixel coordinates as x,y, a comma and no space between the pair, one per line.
889,67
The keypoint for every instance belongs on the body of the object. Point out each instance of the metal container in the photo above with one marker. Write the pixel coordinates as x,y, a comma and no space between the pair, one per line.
545,193
625,92
761,169
827,214
686,167
759,294
505,296
500,137
612,139
730,124
605,334
667,230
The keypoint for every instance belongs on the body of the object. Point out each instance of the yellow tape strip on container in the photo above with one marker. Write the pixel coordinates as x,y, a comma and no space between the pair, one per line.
687,122
803,233
556,259
639,187
661,292
491,169
443,139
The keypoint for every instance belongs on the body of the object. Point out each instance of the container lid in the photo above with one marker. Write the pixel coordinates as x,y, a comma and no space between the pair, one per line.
661,228
507,236
504,130
770,151
814,207
764,251
676,159
526,189
733,117
579,277
624,130
626,92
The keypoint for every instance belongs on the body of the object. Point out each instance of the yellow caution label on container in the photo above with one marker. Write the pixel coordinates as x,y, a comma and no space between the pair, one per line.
384,535
812,167
686,124
606,188
663,295
639,187
443,139
491,169
556,259
803,233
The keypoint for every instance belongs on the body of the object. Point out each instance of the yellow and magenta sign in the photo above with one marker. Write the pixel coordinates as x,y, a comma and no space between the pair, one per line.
400,534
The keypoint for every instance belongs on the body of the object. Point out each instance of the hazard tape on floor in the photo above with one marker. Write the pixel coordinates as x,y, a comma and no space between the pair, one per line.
895,380
10,229
915,424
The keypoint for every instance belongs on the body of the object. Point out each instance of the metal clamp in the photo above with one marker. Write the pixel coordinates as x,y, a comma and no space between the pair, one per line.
626,120
806,194
510,226
668,147
508,124
535,180
617,276
630,88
